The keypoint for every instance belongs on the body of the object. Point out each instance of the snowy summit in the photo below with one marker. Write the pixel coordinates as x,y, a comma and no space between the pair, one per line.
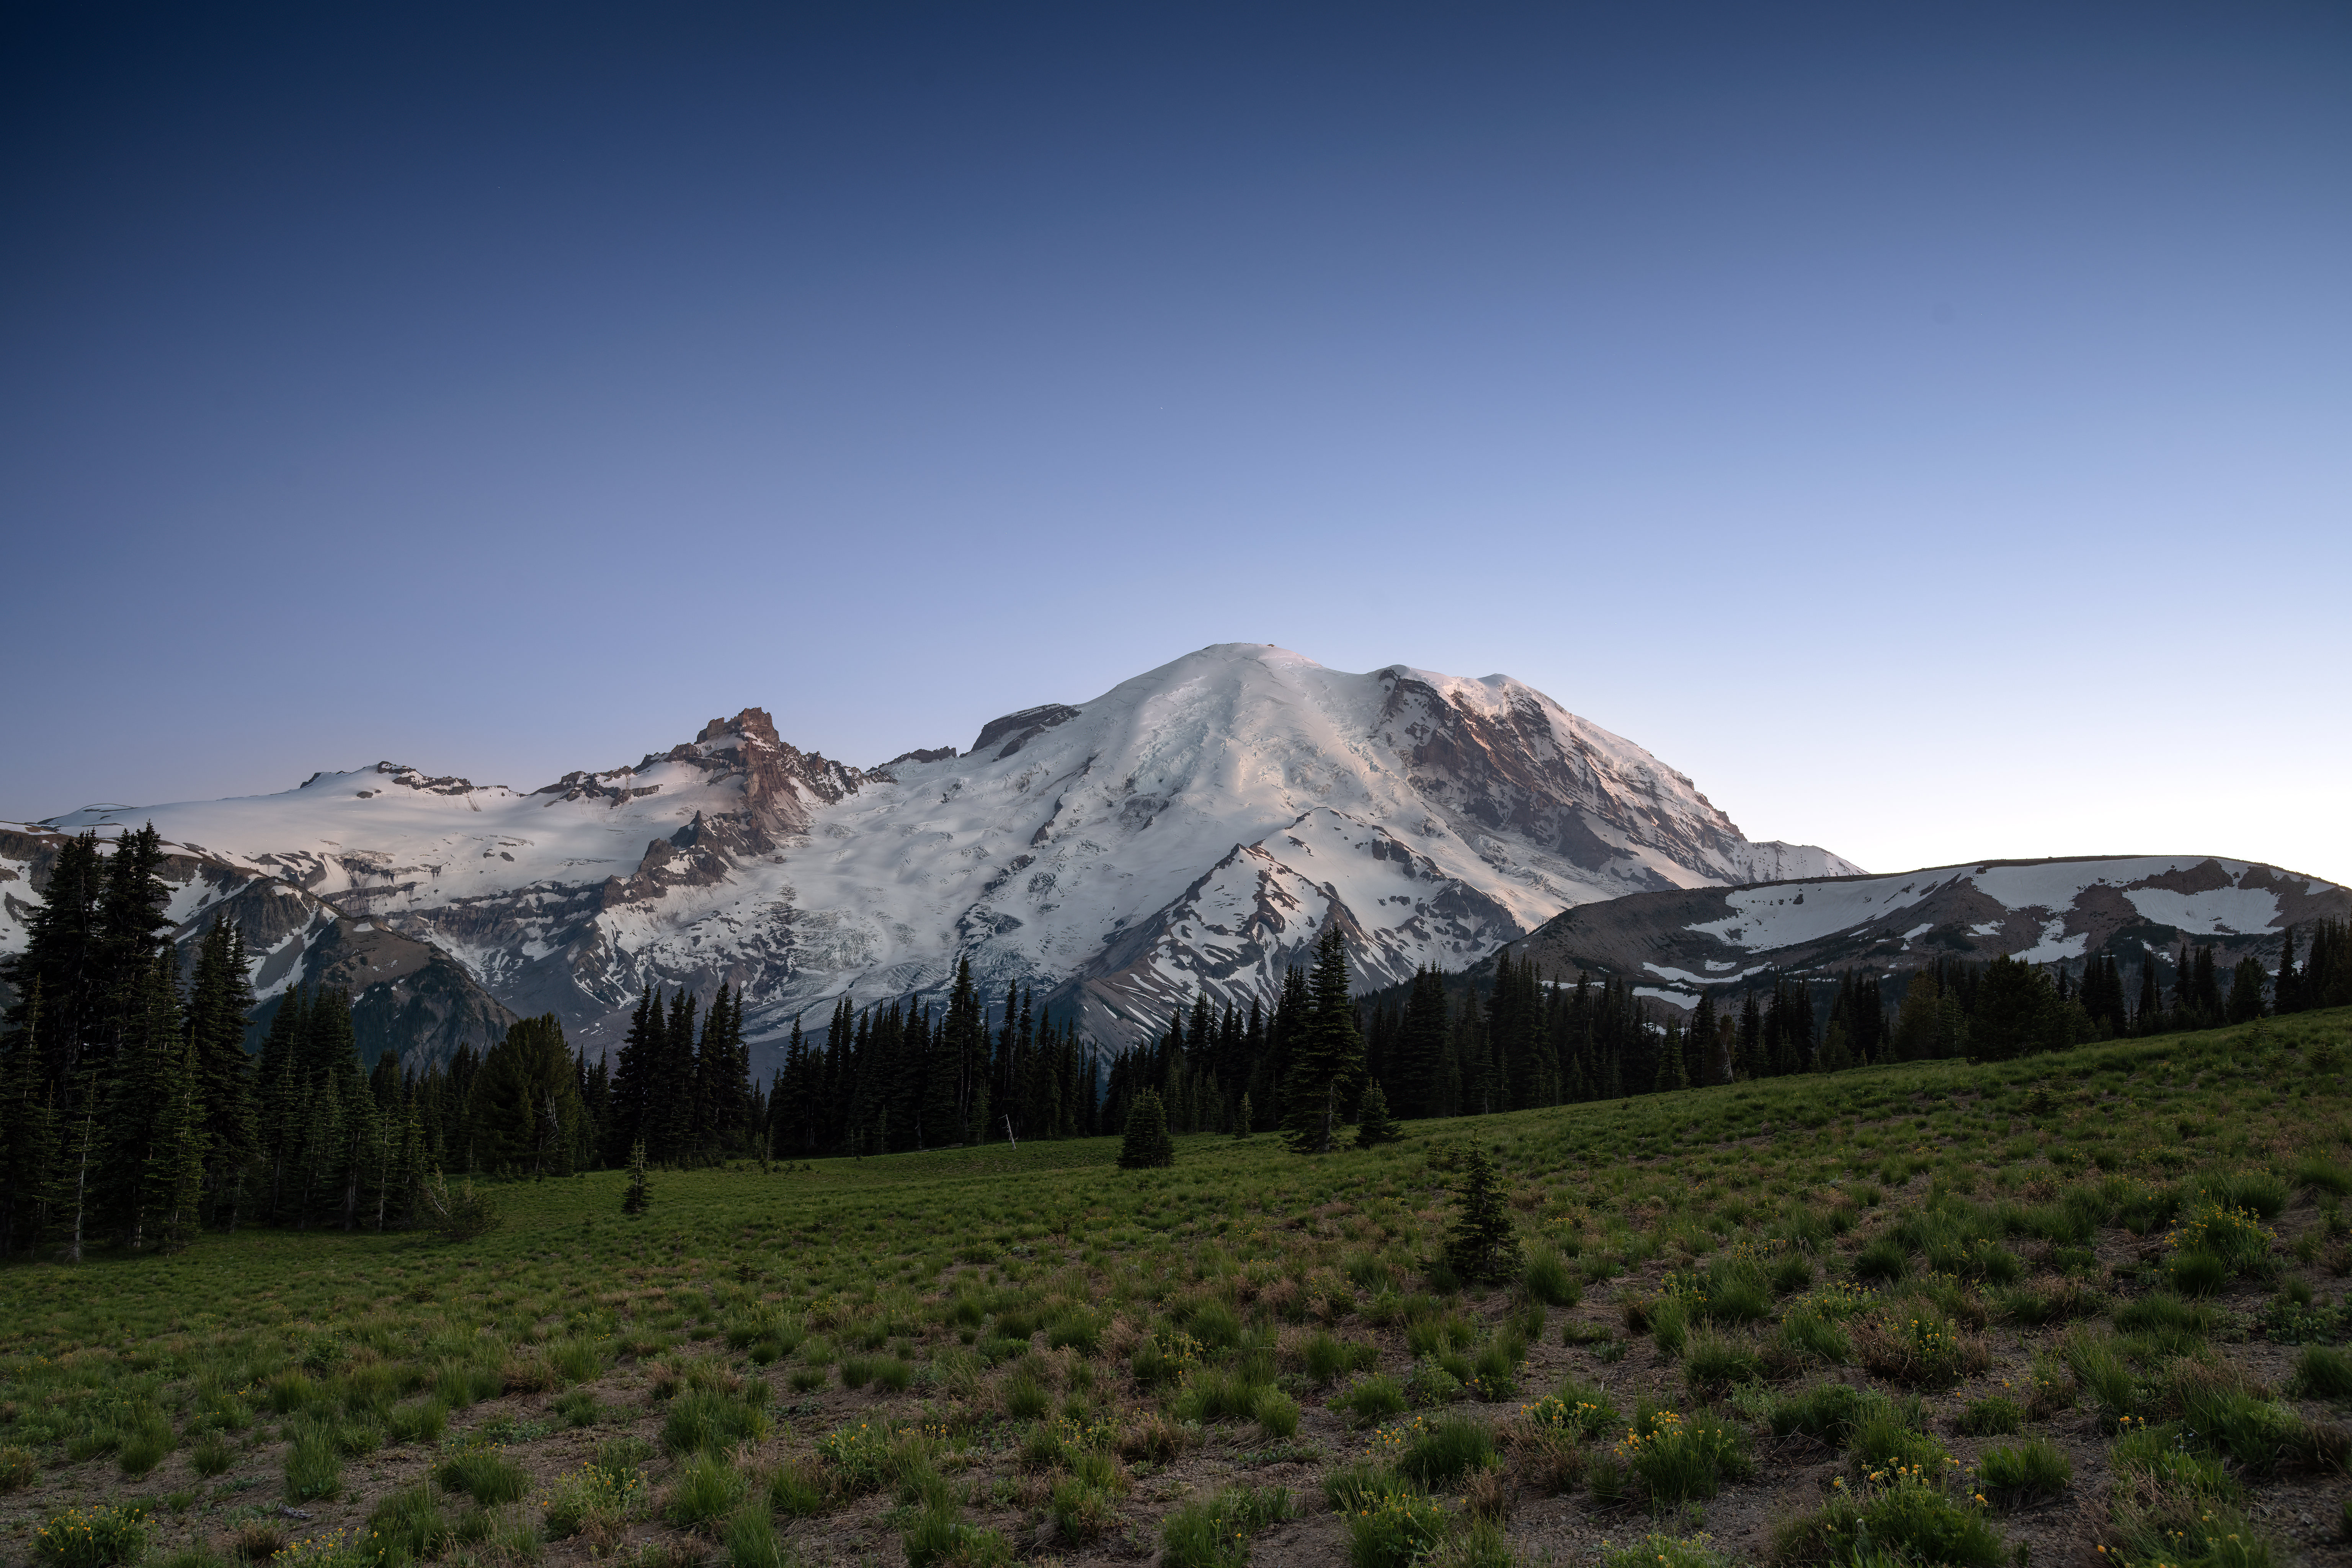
1193,828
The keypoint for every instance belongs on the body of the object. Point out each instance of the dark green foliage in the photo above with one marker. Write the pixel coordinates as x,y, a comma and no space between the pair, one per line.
1146,1144
2324,1372
1444,1451
1992,1417
638,1196
1905,1523
1215,1533
1374,1125
484,1474
1550,1280
2029,1471
1324,1075
1482,1245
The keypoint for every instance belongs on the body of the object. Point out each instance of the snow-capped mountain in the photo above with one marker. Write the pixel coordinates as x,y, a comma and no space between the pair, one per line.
2042,911
1193,827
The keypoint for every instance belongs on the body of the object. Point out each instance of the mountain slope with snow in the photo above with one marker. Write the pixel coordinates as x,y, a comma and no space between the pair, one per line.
1193,827
1676,944
407,996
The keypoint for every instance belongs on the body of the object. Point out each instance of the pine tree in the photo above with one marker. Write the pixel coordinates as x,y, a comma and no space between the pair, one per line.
639,1195
220,1003
526,1100
1481,1246
1145,1142
1374,1125
1242,1118
1326,1067
28,1122
174,1183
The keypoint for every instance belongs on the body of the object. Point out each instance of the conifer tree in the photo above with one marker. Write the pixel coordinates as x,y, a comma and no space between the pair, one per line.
1481,1246
632,1094
1145,1143
526,1102
1242,1118
220,1002
1326,1067
1374,1125
639,1195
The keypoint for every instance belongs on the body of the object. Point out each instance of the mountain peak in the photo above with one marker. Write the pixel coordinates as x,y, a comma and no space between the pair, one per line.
1189,830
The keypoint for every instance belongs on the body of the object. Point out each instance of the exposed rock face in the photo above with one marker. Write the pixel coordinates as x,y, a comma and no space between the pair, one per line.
1681,941
1015,730
1194,828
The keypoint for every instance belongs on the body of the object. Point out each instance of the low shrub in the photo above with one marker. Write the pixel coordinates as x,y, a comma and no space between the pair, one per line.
409,1523
1992,1417
314,1469
1681,1459
484,1474
706,1421
706,1491
2027,1472
1586,1412
600,1498
1550,1280
1215,1533
1439,1453
2324,1372
1372,1400
1908,1522
1394,1529
106,1537
1921,1348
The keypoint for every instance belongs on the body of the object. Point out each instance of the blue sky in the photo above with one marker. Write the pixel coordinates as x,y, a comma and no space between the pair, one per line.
1924,426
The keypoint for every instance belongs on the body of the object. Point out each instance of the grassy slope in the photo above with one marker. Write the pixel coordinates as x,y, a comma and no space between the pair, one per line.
226,1352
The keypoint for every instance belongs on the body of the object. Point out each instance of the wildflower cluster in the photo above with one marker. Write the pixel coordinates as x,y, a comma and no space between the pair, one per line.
594,1494
91,1538
859,1455
1588,1417
333,1550
2236,1235
1396,1527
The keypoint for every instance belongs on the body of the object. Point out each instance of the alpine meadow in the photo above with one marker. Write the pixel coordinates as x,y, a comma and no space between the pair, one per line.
2015,1270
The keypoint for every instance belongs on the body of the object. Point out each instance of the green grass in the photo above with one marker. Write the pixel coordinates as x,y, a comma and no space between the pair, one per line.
1045,1290
2027,1472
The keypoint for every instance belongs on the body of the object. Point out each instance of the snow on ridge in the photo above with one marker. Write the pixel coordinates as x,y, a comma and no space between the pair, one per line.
1788,914
1294,782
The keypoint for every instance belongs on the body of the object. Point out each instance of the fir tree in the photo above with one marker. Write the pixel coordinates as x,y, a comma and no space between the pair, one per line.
526,1102
1481,1246
1145,1143
1326,1067
1374,1125
639,1195
1242,1118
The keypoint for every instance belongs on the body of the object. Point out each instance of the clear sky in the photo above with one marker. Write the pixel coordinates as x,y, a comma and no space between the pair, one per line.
1928,426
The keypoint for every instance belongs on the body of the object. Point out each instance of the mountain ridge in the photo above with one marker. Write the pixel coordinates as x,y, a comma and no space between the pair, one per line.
1191,829
2062,909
